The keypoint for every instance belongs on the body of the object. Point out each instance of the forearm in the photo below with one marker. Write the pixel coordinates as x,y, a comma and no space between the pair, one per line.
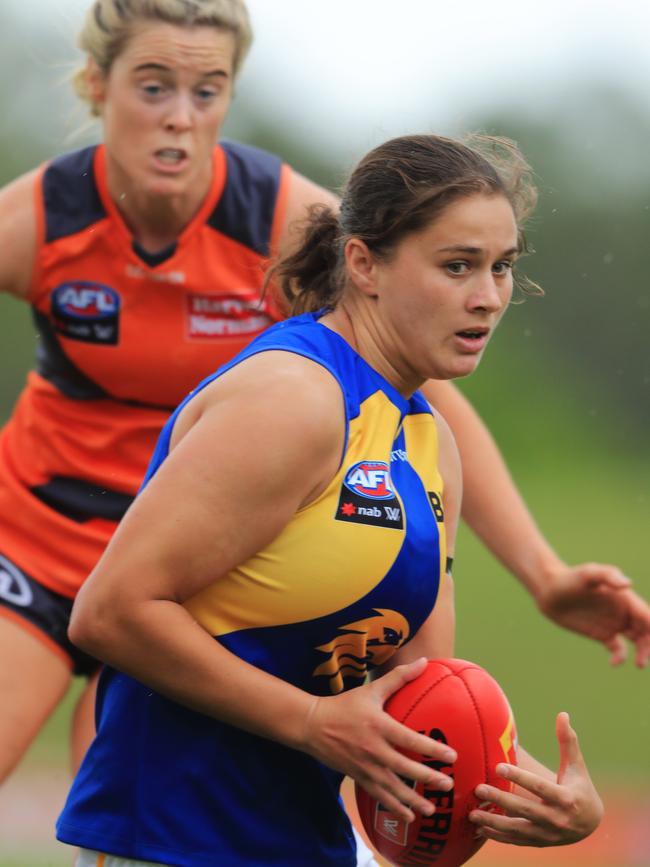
492,505
162,646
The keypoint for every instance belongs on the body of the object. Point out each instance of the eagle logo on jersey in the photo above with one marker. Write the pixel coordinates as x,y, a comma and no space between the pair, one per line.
362,645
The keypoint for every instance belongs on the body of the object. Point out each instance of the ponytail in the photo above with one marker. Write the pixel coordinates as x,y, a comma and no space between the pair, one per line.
310,278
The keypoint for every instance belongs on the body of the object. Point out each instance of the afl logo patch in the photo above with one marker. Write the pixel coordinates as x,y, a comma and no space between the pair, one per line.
86,311
370,479
367,497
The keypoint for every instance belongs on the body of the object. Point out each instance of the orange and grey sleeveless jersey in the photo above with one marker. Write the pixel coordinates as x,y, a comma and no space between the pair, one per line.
348,581
122,337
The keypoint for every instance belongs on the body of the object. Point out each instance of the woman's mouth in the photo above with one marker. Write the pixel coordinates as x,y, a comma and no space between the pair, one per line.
472,339
170,158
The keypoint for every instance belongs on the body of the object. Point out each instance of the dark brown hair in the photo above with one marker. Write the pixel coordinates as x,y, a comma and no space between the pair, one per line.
397,189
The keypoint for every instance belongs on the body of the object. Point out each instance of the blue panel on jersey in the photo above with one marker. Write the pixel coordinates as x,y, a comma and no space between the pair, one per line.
71,198
81,501
244,215
54,365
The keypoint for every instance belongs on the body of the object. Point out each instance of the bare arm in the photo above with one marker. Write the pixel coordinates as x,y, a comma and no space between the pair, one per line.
593,599
17,235
213,503
301,195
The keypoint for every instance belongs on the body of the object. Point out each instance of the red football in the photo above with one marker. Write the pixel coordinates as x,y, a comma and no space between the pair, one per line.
459,703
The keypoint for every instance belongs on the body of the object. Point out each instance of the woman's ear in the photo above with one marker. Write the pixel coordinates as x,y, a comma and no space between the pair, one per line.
96,85
361,266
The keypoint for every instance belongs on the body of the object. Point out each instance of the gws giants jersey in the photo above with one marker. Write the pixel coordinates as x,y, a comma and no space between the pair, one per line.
123,336
349,581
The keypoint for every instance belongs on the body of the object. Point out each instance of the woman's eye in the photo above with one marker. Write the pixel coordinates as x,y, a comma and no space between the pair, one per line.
457,267
152,90
205,94
503,267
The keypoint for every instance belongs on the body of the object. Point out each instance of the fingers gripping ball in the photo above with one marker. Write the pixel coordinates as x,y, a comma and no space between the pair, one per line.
459,703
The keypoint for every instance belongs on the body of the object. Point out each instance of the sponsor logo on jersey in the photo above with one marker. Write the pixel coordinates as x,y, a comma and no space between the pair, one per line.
14,587
210,317
136,272
86,311
361,645
367,496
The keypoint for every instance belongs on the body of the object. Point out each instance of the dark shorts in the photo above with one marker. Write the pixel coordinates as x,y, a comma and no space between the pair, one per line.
44,613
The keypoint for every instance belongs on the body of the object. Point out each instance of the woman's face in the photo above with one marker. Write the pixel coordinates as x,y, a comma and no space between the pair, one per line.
163,103
443,291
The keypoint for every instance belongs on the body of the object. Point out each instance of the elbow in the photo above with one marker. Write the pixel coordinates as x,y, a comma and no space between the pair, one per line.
89,628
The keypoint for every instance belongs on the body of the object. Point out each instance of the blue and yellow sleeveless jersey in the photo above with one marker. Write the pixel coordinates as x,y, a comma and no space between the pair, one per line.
350,579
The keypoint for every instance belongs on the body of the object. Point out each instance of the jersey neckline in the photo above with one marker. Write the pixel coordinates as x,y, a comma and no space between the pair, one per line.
404,404
210,201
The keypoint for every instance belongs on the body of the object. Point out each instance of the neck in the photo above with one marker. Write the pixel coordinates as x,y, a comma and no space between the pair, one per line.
155,220
354,318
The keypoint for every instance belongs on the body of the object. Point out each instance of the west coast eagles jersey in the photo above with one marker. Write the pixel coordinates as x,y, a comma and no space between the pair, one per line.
123,336
348,581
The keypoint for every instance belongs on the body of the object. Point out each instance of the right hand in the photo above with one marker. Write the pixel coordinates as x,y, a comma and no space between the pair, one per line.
596,600
352,733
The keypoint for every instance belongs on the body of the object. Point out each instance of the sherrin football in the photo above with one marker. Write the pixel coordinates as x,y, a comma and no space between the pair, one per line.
459,703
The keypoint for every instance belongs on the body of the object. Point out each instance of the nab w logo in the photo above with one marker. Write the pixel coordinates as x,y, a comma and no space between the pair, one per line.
13,585
370,479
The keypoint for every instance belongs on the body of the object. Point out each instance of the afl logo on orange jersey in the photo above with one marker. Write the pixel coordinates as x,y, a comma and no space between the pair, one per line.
86,311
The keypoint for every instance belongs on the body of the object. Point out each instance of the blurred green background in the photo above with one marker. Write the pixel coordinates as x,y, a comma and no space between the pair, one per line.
564,388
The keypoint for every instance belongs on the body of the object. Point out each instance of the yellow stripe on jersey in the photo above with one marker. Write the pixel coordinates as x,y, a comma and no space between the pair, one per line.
317,565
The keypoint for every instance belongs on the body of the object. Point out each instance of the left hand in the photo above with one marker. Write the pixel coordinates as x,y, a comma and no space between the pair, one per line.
558,813
596,600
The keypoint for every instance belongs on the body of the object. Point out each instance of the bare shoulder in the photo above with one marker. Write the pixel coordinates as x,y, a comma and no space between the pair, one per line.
276,403
18,233
301,195
441,393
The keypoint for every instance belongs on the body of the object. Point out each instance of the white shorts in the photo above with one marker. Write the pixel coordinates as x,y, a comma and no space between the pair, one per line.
88,858
365,858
